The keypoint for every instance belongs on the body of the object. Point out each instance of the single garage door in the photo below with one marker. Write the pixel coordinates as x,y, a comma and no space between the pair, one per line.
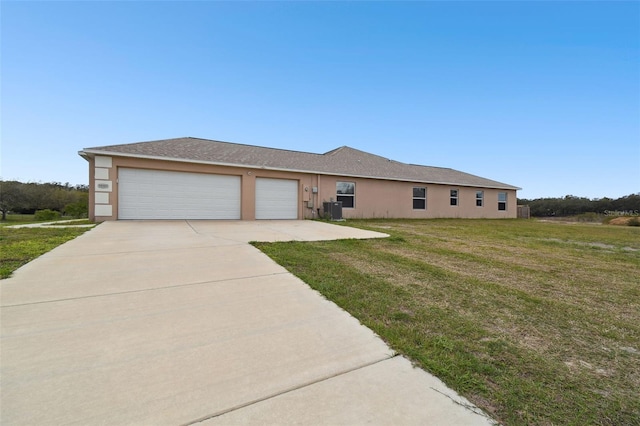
276,198
158,194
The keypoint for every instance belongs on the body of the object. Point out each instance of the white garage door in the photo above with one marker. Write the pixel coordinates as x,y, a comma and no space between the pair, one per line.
276,198
157,194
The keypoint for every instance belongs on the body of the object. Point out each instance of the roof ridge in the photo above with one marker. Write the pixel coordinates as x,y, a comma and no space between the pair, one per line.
434,167
335,150
369,154
212,140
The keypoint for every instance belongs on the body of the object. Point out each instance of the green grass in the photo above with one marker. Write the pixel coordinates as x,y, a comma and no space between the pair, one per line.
20,246
536,323
17,219
75,222
21,219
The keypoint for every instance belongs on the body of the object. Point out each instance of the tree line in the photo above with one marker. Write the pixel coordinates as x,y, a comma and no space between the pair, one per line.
571,205
27,198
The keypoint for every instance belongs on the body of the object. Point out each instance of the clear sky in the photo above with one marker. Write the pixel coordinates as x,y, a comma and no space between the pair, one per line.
541,95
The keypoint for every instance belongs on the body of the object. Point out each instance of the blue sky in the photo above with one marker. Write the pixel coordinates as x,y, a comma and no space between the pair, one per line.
541,95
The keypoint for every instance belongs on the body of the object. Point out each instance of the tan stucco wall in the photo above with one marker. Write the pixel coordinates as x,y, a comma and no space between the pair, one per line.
92,199
390,199
374,198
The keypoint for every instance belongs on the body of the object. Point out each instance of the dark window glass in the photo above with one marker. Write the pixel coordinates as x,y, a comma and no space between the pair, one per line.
347,200
454,197
419,198
502,200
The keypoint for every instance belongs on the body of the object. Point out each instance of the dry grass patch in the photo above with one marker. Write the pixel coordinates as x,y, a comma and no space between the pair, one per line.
537,323
624,221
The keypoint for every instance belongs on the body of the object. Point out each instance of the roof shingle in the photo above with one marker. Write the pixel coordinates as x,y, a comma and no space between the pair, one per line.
343,161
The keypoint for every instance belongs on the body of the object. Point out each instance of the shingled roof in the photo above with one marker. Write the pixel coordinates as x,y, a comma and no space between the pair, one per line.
343,161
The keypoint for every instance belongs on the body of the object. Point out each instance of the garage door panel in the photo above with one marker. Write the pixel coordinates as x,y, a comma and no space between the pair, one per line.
276,198
157,194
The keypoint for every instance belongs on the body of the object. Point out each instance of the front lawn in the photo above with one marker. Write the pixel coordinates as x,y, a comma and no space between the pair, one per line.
536,323
19,246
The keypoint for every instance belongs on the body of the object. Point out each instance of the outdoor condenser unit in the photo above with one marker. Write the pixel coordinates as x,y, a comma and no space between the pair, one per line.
333,209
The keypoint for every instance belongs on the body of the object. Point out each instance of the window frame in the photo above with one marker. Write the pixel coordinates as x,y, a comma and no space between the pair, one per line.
342,196
423,199
479,198
454,200
502,204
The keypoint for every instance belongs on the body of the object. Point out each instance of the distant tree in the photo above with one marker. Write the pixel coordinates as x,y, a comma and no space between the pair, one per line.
603,204
10,197
630,202
571,205
29,197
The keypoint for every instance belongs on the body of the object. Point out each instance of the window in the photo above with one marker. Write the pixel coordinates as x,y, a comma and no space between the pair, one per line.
454,197
502,200
346,192
479,198
419,198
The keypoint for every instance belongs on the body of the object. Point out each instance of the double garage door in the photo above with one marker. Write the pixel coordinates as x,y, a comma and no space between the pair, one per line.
158,194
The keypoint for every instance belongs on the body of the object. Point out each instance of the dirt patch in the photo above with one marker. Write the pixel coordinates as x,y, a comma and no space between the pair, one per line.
622,221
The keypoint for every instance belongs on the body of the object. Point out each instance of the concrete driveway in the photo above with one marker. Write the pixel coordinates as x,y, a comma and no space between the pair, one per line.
180,322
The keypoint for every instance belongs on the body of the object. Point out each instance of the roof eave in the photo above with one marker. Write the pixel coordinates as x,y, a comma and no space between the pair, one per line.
86,154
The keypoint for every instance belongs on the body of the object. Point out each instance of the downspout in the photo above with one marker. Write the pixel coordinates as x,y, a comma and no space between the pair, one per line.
318,197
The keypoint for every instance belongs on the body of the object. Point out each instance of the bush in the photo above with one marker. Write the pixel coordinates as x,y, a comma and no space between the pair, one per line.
634,221
46,214
77,210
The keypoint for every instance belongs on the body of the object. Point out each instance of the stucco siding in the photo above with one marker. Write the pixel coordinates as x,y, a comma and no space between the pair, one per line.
392,199
374,198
